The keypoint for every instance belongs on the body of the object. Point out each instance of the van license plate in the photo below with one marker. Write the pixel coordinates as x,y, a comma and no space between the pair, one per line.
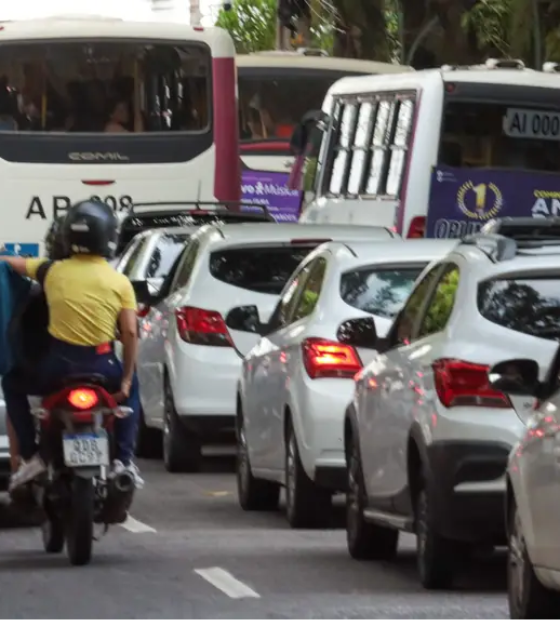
86,450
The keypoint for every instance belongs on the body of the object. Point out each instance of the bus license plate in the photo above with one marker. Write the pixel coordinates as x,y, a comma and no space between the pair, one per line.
86,450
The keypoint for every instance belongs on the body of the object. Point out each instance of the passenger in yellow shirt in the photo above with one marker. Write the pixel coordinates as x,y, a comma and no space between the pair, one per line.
87,300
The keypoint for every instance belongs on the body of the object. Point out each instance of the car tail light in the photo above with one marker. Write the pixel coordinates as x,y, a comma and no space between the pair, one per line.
142,311
464,384
203,327
83,398
417,228
325,358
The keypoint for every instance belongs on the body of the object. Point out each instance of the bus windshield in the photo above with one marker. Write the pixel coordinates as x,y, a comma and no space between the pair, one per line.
105,86
505,127
272,102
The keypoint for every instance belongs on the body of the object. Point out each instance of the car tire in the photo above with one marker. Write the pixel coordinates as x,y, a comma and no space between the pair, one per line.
253,493
149,443
365,541
527,596
435,555
307,505
181,450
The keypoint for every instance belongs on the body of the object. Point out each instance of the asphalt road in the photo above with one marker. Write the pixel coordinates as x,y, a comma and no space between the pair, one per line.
190,552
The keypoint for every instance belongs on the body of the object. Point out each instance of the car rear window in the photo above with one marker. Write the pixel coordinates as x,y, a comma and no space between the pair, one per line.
378,291
164,255
262,270
526,305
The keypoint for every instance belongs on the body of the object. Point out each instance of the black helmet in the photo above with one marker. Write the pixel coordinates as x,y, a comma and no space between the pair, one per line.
90,227
54,242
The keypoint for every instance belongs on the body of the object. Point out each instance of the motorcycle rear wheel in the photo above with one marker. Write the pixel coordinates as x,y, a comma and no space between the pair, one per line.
79,528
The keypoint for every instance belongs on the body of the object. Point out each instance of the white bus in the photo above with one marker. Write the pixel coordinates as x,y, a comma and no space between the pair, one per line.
126,111
277,88
438,152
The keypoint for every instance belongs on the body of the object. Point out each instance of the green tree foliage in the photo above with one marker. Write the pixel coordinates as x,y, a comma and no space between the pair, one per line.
251,24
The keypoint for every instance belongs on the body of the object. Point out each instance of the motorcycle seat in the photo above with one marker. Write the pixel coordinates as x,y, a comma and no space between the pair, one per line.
86,378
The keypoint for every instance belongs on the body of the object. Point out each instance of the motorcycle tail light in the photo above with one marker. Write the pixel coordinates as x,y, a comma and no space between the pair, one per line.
83,398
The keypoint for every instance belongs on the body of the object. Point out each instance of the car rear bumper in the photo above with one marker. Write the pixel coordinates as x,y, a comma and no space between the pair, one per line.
323,405
204,381
467,485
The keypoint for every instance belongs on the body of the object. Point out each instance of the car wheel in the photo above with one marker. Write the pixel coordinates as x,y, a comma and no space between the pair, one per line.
307,505
148,440
527,597
181,450
366,541
254,494
435,555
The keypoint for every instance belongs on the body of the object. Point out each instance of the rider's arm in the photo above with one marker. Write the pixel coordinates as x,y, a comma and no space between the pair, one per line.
128,327
17,263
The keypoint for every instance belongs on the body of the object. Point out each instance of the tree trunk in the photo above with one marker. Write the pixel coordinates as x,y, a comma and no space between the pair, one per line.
364,34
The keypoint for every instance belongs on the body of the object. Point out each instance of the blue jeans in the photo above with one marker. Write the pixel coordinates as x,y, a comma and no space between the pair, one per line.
62,361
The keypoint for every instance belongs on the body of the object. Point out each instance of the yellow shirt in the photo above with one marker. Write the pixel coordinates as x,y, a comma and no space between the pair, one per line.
85,297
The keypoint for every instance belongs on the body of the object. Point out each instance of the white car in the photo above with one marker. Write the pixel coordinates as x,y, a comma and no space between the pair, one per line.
533,478
297,381
188,360
426,437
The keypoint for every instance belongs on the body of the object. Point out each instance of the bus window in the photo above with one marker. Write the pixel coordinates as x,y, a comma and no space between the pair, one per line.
477,134
281,101
115,87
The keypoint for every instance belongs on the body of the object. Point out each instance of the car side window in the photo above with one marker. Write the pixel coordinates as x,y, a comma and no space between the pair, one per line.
185,269
441,304
281,317
311,290
131,261
402,331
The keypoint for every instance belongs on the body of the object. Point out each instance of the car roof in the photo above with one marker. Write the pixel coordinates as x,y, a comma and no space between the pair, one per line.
269,233
410,249
172,230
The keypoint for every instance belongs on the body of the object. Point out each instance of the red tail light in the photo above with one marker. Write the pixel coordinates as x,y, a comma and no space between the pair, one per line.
417,228
83,398
142,311
464,384
203,327
324,358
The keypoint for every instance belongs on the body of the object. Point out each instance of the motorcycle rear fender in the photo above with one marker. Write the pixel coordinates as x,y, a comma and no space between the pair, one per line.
86,472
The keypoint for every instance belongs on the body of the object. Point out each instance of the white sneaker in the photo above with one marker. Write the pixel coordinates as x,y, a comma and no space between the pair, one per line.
119,467
27,471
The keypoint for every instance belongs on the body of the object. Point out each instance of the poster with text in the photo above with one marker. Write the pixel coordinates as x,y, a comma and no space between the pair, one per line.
462,200
271,190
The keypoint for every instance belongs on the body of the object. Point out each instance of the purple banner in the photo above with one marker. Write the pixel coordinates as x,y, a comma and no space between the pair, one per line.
462,200
271,190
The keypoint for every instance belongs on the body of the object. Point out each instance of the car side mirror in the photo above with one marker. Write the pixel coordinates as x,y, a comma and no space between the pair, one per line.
359,333
245,319
143,292
154,285
518,377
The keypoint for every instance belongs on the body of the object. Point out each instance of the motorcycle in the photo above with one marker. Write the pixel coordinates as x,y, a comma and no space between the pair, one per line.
77,443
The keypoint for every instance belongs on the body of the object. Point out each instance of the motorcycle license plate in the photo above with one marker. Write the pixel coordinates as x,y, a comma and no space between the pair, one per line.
86,450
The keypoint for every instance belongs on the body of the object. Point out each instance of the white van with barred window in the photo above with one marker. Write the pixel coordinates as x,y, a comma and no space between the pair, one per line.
434,153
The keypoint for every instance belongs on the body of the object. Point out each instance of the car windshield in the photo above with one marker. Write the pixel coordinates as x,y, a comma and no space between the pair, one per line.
377,290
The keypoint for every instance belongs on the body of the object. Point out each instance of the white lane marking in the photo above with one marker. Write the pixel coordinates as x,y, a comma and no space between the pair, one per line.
226,582
137,527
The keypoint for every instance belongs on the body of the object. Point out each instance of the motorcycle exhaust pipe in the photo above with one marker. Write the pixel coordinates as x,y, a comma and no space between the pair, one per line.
124,482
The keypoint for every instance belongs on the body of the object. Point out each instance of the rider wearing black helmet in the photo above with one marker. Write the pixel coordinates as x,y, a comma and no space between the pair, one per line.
87,300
